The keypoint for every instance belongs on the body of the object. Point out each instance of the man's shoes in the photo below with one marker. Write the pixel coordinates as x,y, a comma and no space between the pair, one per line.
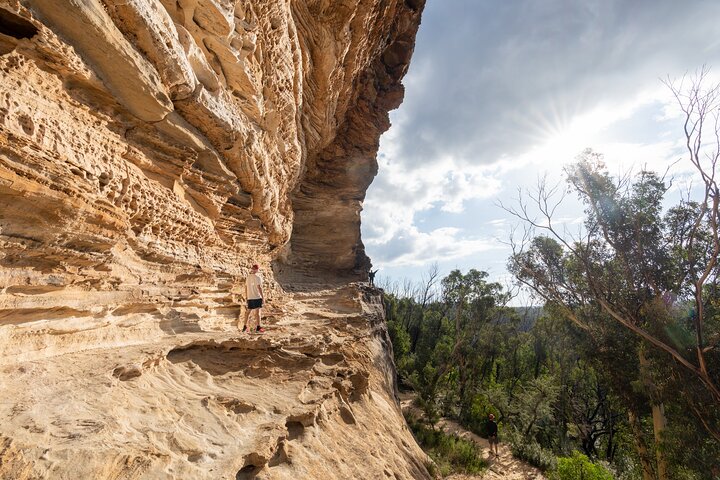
260,329
244,329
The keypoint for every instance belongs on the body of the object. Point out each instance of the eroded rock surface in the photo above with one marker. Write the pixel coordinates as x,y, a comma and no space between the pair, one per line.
150,151
312,398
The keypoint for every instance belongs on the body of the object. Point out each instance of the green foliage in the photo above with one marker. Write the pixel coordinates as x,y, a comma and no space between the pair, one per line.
626,272
534,404
450,453
401,345
481,408
579,467
631,322
531,452
553,387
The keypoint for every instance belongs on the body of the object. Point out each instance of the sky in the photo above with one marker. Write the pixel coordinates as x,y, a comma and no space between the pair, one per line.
501,93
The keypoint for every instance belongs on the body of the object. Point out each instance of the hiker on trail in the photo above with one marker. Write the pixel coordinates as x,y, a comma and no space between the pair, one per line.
492,429
254,295
371,275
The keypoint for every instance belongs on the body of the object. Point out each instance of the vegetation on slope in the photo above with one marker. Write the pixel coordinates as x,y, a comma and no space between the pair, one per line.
618,376
450,453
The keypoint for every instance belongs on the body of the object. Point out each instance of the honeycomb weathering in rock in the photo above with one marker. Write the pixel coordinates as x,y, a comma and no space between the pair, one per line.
150,152
194,132
313,398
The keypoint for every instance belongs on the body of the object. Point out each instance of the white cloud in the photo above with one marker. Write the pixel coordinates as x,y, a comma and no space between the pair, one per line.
399,193
501,92
488,77
498,222
410,246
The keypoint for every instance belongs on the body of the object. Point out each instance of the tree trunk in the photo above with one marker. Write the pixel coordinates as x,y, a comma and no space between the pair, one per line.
610,449
408,317
415,336
642,450
562,424
462,391
659,424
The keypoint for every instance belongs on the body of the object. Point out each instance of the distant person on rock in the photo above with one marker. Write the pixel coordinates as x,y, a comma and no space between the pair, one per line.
371,276
492,429
254,295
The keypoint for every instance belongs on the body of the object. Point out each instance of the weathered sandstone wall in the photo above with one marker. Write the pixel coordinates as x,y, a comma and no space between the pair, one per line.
312,399
150,151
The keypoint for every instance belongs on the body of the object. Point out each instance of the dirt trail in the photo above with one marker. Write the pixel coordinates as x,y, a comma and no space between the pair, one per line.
506,467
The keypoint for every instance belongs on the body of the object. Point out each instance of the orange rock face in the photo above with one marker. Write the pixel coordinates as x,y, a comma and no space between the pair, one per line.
151,146
261,120
150,151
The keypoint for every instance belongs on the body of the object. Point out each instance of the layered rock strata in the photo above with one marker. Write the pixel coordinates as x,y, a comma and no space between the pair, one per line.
311,399
150,151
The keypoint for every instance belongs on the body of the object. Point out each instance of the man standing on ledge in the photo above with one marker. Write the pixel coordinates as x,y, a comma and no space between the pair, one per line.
254,295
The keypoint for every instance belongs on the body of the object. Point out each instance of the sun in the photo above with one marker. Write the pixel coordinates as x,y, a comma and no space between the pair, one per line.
561,145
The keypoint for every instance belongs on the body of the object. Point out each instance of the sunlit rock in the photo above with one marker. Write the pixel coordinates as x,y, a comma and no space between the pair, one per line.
150,151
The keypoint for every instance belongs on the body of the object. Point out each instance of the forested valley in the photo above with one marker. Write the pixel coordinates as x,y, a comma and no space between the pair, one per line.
614,372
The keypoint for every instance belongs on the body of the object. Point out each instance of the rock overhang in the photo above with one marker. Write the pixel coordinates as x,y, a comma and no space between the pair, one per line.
263,117
151,151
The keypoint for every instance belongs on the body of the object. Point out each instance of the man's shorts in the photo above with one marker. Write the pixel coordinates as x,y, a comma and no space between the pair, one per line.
493,440
254,303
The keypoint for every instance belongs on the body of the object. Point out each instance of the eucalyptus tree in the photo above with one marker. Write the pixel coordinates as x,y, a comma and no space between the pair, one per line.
634,267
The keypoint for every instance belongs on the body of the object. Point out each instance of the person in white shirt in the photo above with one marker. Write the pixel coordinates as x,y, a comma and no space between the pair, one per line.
254,295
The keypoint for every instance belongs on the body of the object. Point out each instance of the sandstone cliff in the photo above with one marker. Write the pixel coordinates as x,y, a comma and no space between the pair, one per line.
150,151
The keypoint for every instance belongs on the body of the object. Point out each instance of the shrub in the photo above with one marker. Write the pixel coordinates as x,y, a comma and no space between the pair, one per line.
535,455
432,469
451,453
531,452
400,340
477,418
579,467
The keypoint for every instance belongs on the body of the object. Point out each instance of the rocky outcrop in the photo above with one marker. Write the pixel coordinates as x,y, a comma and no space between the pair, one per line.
341,160
260,119
310,399
150,151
